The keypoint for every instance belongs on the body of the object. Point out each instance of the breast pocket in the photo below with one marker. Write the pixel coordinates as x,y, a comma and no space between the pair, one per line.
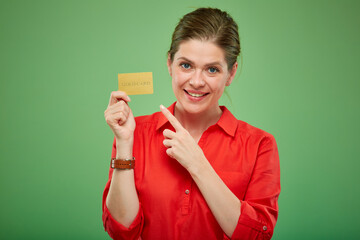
236,182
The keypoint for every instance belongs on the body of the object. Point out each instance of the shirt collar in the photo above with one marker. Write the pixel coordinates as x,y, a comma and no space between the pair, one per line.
163,119
227,122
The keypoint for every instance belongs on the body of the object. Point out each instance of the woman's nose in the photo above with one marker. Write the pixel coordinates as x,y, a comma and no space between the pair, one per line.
197,80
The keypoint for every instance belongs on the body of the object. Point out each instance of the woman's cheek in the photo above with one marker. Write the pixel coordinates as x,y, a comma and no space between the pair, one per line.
182,77
217,85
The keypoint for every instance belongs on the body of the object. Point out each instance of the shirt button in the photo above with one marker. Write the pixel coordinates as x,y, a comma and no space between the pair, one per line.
264,228
187,191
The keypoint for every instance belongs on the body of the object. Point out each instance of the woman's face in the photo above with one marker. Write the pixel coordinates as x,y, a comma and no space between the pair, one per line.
199,75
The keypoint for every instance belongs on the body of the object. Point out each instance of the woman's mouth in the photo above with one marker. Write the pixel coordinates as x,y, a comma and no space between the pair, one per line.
196,94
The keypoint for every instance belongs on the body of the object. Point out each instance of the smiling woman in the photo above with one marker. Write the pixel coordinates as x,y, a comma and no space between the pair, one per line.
192,171
200,74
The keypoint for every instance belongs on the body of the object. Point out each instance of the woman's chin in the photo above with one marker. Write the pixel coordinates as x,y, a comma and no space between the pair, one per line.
193,107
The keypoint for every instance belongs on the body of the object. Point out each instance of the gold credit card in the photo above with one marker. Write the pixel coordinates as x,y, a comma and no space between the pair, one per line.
136,83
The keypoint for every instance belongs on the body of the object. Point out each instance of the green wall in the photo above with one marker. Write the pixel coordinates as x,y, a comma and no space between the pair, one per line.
59,63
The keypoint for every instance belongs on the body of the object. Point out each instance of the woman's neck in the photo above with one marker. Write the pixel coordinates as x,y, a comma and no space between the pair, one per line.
196,124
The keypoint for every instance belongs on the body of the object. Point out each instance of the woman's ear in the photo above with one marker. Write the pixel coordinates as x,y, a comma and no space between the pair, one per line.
232,74
169,64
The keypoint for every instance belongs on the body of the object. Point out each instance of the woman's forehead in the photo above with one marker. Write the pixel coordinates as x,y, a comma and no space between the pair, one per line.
199,51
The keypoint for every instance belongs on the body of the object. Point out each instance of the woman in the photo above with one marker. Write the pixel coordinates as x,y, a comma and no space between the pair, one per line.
199,173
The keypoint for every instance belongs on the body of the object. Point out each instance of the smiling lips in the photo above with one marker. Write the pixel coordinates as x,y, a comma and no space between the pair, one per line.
196,94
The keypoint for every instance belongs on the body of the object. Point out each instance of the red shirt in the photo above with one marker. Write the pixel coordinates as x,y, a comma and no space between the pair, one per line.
171,205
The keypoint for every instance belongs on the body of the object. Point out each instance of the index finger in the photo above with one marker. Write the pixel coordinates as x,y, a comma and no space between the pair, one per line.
172,119
117,96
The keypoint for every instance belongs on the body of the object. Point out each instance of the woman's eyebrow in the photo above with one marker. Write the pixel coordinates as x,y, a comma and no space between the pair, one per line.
184,58
208,64
213,63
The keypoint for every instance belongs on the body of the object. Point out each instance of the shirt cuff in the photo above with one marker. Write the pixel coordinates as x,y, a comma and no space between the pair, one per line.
247,228
118,231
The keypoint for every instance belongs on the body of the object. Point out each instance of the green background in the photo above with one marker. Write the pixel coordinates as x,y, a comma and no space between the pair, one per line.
59,63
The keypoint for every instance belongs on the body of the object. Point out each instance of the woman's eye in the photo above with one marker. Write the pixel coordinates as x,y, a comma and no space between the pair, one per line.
213,70
185,65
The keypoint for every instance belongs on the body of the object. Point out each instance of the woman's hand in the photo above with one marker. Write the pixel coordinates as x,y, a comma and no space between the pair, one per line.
181,145
119,117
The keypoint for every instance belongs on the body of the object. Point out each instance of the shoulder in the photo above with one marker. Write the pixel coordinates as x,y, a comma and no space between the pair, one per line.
147,120
255,136
248,129
153,121
240,128
246,133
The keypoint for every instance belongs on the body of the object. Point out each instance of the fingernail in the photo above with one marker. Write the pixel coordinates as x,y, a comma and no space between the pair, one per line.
162,106
129,98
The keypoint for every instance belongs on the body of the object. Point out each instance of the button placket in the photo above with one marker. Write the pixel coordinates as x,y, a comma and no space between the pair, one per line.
185,209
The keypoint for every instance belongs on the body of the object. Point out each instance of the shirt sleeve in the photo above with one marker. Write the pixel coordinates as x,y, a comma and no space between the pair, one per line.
259,209
114,228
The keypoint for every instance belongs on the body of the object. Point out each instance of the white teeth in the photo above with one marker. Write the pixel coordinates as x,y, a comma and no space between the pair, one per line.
196,95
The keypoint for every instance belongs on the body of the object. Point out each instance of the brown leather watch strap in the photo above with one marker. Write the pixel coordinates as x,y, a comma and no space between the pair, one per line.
122,163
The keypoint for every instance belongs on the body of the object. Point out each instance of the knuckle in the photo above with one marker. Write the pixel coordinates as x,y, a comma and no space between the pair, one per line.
169,151
107,119
166,133
119,106
107,109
